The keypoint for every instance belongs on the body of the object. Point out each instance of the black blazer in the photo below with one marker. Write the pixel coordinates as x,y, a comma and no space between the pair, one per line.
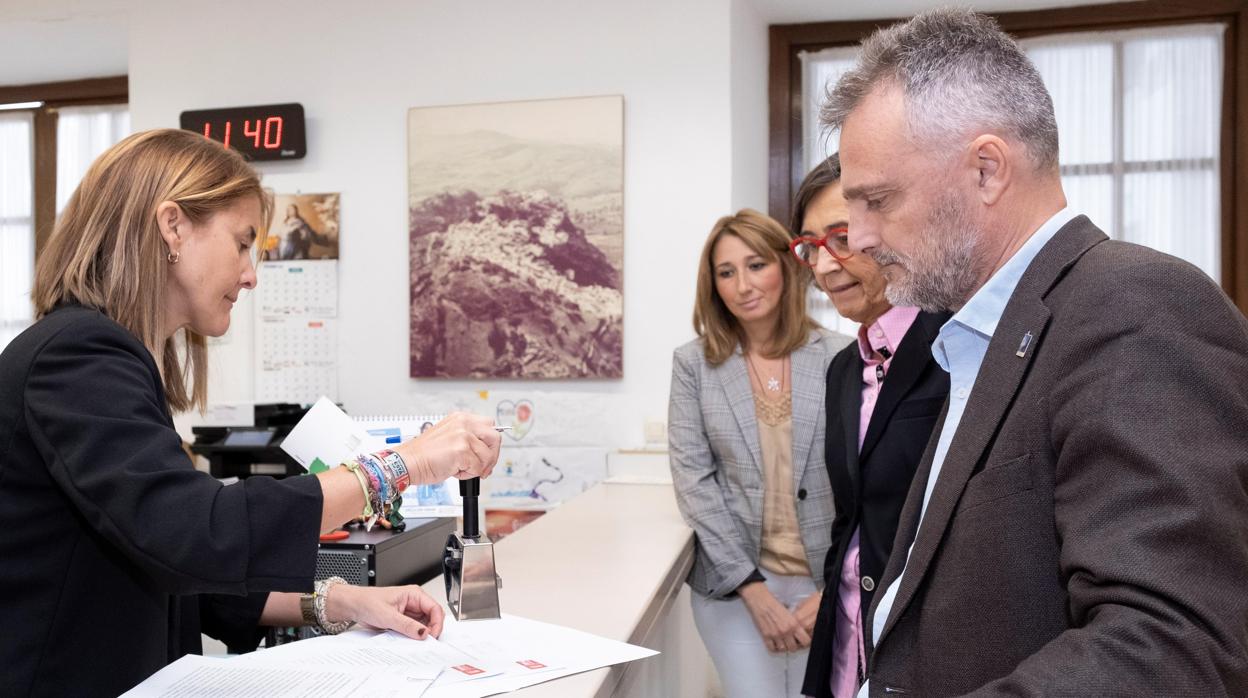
870,487
114,548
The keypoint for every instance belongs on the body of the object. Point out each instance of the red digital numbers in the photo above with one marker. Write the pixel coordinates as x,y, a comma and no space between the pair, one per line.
267,136
254,134
277,132
208,133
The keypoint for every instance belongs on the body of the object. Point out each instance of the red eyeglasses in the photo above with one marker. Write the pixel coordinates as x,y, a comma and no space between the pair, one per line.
836,242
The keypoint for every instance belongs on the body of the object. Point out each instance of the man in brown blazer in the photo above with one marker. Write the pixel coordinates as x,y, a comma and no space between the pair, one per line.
1079,523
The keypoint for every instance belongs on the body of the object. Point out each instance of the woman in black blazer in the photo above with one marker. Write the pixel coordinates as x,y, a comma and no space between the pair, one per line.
884,393
116,552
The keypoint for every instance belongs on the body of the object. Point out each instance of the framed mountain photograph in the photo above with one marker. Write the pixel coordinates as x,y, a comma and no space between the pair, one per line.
516,226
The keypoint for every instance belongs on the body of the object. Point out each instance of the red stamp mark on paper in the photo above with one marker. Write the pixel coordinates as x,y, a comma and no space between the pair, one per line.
531,664
468,669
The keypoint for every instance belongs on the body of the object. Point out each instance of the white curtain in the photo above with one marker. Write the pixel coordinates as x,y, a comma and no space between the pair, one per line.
820,71
1079,74
82,133
1138,114
17,238
1149,176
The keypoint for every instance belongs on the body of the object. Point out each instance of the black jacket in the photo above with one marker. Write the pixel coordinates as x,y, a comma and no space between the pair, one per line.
870,487
115,551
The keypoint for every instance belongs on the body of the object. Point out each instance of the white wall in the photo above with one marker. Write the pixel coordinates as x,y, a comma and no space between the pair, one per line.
749,71
358,71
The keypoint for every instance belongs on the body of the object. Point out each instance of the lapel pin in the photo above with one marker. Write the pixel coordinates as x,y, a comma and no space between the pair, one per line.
1023,346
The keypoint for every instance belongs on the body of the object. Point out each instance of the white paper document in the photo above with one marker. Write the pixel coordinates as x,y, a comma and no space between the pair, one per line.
389,653
470,660
325,437
528,652
194,676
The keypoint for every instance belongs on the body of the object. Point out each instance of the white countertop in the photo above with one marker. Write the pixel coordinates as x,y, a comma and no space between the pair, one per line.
608,562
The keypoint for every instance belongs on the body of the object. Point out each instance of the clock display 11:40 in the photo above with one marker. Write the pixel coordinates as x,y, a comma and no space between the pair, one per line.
272,127
266,132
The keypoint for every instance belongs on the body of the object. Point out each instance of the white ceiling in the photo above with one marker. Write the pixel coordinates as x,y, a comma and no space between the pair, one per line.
52,40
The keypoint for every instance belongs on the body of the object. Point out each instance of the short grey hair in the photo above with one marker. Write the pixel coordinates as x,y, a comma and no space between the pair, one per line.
958,72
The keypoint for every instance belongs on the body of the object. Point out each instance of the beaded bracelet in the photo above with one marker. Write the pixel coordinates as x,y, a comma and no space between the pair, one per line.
320,598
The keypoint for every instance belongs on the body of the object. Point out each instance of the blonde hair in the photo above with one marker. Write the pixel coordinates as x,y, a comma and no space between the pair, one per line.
716,326
107,252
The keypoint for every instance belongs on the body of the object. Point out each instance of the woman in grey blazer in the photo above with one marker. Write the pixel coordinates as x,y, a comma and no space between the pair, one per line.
746,428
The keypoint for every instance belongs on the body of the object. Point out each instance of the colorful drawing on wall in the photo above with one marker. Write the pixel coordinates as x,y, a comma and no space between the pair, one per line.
539,478
304,226
517,415
516,239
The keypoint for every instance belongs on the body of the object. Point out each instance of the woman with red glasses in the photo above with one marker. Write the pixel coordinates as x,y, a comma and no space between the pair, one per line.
884,393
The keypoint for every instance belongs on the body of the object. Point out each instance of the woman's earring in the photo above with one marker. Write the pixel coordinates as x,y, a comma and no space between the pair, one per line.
173,257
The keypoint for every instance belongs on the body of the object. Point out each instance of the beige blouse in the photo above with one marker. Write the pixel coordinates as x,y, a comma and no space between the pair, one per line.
782,551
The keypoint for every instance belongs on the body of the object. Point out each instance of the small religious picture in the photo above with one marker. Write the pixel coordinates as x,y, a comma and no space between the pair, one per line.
303,227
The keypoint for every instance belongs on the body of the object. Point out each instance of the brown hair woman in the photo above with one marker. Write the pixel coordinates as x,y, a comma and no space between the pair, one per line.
117,552
746,448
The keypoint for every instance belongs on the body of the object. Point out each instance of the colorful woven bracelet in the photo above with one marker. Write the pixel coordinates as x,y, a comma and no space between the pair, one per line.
375,479
360,477
378,471
397,467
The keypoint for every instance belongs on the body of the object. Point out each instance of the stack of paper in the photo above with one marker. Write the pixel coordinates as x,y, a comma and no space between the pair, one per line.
470,659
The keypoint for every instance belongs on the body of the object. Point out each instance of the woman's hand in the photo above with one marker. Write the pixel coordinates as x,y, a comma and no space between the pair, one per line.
462,445
406,609
807,611
780,629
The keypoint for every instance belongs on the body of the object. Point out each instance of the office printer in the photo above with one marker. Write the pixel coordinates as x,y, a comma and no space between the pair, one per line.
242,451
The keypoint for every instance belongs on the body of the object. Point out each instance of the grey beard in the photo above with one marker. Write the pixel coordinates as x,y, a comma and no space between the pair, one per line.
941,273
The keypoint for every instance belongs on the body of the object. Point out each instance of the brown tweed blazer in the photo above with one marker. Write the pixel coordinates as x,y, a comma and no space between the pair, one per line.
1088,535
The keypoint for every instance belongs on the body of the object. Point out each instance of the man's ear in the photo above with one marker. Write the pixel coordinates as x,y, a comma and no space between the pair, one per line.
173,224
990,156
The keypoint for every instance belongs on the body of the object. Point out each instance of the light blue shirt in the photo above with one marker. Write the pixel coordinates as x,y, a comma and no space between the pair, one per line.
959,349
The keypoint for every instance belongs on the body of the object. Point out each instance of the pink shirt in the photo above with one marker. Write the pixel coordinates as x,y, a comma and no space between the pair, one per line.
877,344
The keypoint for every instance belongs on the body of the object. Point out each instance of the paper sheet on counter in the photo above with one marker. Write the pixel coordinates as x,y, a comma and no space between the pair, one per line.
216,677
470,660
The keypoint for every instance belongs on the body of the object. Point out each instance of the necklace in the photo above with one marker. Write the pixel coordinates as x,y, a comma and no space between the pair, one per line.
774,384
773,411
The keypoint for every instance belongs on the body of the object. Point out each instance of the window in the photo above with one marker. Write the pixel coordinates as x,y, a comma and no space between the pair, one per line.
17,223
82,133
1137,115
1145,103
44,152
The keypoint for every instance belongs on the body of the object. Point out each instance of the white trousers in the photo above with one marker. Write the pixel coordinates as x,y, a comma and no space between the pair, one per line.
747,669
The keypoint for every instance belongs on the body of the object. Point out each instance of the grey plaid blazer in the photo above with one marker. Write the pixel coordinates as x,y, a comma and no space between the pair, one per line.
717,467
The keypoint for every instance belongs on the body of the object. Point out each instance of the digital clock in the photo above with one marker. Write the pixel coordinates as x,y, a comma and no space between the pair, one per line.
266,132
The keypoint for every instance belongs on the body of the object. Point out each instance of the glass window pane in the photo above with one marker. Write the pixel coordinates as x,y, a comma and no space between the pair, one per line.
824,313
820,72
1172,93
17,240
1080,78
15,164
1093,196
17,255
82,133
1177,213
